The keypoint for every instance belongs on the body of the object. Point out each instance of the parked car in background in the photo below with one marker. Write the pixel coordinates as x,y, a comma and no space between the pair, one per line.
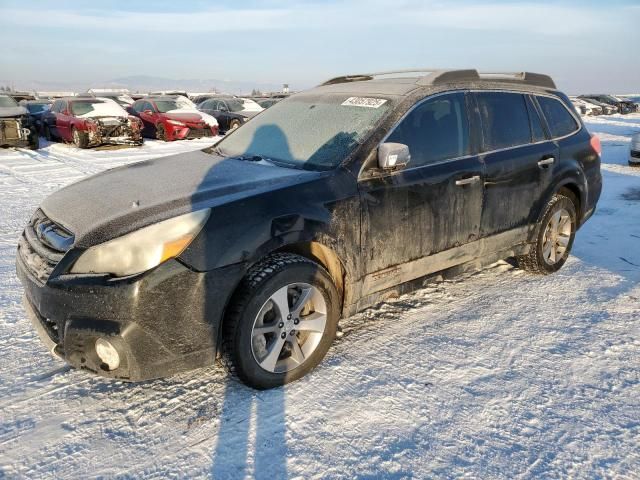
19,96
622,107
230,112
179,93
198,99
634,156
607,109
633,104
585,108
122,99
266,102
36,109
90,121
171,118
253,248
17,128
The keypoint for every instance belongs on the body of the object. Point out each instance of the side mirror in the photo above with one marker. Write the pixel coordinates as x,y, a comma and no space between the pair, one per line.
393,155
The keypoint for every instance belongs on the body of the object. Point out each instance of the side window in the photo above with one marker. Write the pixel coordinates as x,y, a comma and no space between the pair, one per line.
54,107
138,106
560,121
62,107
537,131
436,130
505,120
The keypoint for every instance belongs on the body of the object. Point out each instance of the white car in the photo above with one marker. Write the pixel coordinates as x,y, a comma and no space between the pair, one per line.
634,156
584,107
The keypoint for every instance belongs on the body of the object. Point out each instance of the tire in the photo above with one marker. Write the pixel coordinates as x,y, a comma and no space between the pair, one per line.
271,359
634,164
80,139
161,134
34,140
543,260
233,125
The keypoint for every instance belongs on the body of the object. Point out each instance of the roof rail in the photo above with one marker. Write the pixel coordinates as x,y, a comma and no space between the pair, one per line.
435,76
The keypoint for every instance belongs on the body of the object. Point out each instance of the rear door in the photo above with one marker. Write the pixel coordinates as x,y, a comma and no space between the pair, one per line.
431,205
519,160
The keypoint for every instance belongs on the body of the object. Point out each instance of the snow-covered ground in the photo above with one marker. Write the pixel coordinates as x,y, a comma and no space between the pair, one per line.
496,375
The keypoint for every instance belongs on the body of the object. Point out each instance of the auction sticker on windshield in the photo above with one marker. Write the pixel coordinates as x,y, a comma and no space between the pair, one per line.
364,102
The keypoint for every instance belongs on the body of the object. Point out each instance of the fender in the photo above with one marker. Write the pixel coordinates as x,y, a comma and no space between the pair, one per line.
571,177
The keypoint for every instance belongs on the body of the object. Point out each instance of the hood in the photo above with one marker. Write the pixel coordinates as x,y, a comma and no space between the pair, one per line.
13,111
124,199
191,115
108,108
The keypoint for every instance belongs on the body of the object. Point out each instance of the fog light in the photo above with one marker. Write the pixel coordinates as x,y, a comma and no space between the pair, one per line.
107,353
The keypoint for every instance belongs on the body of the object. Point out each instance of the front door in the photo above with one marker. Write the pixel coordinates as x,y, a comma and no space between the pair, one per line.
426,216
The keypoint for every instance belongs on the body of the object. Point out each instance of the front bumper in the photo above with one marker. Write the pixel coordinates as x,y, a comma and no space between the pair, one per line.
14,133
176,132
161,322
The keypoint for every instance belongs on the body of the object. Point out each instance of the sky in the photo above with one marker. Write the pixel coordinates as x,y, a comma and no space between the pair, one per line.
587,46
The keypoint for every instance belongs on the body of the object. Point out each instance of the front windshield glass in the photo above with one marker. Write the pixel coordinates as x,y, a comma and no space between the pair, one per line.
166,105
7,102
37,107
315,132
83,107
235,105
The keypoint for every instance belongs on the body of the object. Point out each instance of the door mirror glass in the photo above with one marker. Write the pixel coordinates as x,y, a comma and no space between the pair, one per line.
393,155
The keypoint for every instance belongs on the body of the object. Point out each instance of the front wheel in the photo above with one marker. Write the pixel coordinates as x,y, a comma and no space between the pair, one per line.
555,233
234,124
281,322
161,133
80,139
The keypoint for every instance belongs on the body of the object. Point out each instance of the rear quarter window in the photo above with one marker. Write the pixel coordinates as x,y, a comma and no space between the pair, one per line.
560,121
505,120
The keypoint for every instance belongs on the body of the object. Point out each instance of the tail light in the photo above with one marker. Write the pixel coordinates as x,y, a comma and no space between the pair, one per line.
596,145
215,130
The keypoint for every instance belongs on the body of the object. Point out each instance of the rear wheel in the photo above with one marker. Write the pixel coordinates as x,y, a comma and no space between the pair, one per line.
80,139
281,322
234,124
554,237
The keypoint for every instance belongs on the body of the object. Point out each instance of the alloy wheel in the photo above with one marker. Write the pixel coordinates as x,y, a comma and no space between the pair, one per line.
557,235
289,327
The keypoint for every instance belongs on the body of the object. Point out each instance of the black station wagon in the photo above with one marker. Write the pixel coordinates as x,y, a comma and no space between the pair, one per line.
321,206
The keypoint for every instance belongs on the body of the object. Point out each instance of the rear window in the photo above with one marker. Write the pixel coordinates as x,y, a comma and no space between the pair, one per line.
505,120
560,121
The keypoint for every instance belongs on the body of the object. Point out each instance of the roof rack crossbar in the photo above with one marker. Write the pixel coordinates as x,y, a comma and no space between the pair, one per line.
438,76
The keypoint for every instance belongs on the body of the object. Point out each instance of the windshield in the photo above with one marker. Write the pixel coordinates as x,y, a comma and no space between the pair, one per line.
7,102
235,105
165,106
37,107
311,132
83,107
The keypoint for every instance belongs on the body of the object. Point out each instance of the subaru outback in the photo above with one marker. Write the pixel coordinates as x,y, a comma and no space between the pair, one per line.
251,251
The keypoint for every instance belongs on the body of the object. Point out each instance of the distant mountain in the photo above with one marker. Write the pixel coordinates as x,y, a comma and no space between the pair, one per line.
146,83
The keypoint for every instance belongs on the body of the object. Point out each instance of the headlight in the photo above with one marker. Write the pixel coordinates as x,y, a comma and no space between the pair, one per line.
143,249
177,123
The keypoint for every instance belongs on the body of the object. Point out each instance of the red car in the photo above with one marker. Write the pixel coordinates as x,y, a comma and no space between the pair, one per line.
173,118
89,122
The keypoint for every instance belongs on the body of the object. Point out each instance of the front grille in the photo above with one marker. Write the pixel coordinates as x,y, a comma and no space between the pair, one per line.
42,245
199,133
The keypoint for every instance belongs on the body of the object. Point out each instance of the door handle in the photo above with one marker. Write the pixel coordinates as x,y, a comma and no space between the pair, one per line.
545,162
468,181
